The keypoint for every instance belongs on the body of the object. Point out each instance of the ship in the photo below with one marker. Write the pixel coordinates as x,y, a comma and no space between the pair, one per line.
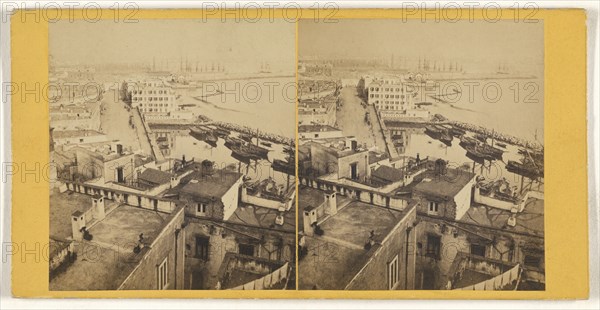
265,68
476,153
467,141
529,169
222,132
433,131
493,151
457,132
446,138
204,134
284,166
245,149
502,69
481,137
246,137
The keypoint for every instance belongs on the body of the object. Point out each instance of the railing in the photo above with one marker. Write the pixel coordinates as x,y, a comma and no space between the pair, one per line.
267,281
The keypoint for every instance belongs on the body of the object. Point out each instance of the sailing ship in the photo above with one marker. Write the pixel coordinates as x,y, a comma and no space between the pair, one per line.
245,149
502,69
433,131
204,134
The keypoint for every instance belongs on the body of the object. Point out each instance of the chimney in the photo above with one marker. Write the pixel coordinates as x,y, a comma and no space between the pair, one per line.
120,149
330,202
98,209
354,145
310,217
77,223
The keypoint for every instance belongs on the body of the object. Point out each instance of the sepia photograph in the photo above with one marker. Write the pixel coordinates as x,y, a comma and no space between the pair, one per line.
421,155
173,148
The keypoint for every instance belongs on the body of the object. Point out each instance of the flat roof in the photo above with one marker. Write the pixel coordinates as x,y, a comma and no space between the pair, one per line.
59,134
447,185
208,186
62,206
124,225
106,261
155,176
388,173
530,221
316,128
336,257
247,214
309,198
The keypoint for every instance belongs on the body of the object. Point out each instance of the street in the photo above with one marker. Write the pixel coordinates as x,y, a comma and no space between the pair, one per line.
114,120
351,120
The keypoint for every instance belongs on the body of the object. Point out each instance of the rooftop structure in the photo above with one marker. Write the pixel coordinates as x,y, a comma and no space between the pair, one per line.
119,244
347,251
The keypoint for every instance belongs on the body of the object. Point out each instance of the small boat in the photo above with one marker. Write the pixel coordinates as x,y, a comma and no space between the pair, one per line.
500,144
267,144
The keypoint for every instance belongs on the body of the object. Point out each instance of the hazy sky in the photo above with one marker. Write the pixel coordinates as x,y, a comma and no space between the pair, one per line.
212,40
504,41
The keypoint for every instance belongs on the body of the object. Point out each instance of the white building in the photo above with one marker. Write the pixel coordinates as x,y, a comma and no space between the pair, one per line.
392,98
153,97
390,94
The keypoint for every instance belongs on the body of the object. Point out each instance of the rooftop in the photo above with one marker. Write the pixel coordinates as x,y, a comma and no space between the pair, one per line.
106,261
316,128
530,221
63,134
209,186
62,206
388,173
445,185
377,157
124,225
155,176
264,217
340,251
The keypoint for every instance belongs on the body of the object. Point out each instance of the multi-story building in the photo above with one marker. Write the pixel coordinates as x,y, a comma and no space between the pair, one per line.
153,97
392,98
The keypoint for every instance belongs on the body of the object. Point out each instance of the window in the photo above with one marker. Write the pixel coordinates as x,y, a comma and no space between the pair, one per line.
201,209
478,249
433,246
246,249
532,261
433,207
393,272
162,275
202,247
